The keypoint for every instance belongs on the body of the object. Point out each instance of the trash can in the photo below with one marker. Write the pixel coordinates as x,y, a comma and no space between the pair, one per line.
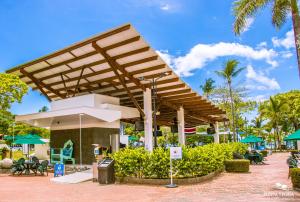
106,172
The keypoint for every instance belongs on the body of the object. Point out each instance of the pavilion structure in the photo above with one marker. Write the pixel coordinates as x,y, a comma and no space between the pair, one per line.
119,63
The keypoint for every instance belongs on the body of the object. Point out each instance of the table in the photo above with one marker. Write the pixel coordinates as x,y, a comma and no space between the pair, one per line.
28,165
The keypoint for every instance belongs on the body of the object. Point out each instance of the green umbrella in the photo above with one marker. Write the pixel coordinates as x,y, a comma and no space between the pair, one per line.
251,139
29,139
293,136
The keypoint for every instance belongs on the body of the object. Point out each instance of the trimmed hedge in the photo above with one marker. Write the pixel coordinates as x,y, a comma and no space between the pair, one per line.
195,162
295,177
237,165
264,153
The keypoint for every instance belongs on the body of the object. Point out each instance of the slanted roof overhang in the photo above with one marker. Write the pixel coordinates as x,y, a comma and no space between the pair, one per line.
111,63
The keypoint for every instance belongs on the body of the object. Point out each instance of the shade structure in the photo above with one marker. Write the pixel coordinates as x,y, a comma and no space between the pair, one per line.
29,139
118,63
293,136
251,139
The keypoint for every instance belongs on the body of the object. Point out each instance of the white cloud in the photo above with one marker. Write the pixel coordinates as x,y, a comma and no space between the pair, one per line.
257,98
287,42
286,54
165,7
262,82
249,22
200,54
262,45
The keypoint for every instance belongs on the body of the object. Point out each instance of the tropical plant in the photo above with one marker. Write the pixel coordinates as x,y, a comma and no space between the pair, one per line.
208,87
273,111
258,125
230,71
245,9
197,161
12,89
44,109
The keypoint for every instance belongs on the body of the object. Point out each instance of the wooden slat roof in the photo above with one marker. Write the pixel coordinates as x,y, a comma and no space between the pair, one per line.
103,63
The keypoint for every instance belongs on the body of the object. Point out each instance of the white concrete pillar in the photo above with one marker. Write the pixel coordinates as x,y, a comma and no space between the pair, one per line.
148,120
180,118
115,142
216,135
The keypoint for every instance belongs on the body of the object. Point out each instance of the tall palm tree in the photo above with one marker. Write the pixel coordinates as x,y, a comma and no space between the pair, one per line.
243,9
229,71
257,124
208,87
273,111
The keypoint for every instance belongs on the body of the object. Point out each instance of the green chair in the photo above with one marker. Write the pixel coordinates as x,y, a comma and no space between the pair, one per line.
43,167
18,166
63,155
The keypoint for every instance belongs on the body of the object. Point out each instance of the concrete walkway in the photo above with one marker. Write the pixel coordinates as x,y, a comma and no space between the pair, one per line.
229,187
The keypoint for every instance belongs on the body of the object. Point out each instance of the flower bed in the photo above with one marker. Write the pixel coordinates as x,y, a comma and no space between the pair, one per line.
196,162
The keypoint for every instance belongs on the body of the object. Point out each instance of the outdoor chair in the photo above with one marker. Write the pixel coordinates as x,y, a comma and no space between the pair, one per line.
43,167
237,156
35,165
18,166
63,155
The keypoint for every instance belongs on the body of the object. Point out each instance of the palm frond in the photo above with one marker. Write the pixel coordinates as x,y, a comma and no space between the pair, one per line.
236,72
279,12
244,9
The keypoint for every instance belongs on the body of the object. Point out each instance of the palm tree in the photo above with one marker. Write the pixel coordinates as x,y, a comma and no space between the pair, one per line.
230,70
273,111
257,124
243,9
208,87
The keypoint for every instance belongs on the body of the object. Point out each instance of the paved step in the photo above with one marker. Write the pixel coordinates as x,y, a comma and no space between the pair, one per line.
74,178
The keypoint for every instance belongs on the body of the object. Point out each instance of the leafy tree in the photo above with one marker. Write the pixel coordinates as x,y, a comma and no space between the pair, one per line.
12,89
230,71
292,98
258,125
208,87
243,9
44,109
273,110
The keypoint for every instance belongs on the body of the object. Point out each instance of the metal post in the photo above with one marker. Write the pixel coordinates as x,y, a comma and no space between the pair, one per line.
80,157
13,133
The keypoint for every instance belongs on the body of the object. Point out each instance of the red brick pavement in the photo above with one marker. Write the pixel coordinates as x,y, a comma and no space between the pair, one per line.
254,186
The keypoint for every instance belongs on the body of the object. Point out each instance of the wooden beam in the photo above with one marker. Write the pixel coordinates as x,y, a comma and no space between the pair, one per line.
76,88
41,84
115,66
62,78
78,45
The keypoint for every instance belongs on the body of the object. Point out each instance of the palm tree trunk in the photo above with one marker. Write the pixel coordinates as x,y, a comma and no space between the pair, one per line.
232,111
296,28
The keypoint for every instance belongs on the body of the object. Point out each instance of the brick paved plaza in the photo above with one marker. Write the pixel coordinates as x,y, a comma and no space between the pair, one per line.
254,186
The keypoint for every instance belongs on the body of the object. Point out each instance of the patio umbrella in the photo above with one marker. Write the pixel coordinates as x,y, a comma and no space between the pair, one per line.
251,139
28,141
293,136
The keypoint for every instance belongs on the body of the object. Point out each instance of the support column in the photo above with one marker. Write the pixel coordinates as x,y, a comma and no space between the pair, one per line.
216,135
180,118
148,120
115,142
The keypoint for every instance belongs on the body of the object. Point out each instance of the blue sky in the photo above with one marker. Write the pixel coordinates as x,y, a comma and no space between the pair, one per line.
194,36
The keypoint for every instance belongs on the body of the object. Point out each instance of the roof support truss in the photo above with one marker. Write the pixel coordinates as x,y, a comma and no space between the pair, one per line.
116,67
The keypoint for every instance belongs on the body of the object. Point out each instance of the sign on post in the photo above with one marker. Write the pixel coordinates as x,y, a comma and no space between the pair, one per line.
59,169
175,153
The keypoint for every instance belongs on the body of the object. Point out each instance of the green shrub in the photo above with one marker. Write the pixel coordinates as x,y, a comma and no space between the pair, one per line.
237,165
197,161
264,153
295,177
